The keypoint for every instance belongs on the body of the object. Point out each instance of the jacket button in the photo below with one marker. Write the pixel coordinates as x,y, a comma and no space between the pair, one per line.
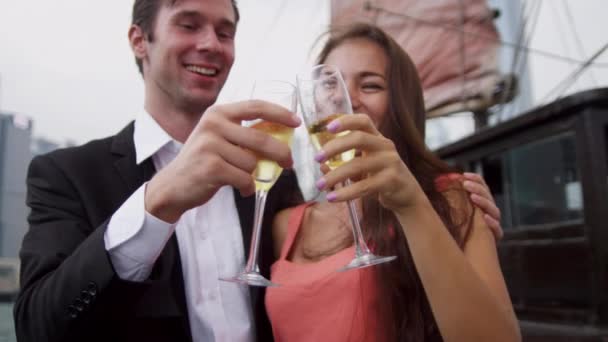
86,297
72,312
92,288
78,305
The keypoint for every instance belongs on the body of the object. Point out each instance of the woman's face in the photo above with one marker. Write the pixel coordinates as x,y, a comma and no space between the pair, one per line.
363,64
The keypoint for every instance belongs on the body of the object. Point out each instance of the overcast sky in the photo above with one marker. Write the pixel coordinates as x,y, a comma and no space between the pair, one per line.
67,63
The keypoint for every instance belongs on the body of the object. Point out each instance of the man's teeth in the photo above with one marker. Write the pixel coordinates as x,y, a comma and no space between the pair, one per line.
201,70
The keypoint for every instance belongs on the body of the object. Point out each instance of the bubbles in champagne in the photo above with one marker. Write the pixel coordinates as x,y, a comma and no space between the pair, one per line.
320,136
267,171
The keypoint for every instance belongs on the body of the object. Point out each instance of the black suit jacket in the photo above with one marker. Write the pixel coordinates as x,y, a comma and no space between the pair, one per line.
69,290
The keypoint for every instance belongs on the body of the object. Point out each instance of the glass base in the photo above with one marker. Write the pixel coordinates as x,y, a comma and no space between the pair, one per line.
366,260
252,279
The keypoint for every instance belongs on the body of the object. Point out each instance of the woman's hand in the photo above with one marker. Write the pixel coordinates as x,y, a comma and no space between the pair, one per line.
377,170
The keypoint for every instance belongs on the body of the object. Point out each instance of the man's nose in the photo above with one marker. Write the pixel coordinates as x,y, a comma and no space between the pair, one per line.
208,41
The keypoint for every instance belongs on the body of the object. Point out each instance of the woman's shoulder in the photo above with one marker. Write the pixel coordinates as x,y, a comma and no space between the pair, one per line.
449,181
461,207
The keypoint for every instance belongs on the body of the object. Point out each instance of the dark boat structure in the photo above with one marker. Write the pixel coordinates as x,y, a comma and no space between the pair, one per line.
547,167
548,171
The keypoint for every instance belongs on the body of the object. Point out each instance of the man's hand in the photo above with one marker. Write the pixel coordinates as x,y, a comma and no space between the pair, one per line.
482,197
218,152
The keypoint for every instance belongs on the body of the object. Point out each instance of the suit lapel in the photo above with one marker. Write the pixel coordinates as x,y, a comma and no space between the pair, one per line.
132,175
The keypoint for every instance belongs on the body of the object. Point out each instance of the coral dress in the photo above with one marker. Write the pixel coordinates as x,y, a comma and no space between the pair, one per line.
316,303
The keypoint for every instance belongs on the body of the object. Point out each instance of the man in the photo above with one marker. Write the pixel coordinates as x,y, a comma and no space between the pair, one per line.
111,256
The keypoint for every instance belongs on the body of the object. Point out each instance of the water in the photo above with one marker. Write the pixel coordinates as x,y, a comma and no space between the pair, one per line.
7,328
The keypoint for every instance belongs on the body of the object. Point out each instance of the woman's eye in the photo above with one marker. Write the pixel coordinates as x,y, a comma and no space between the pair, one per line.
372,86
329,84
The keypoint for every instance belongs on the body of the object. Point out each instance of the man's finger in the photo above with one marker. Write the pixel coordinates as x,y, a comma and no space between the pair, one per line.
261,143
494,226
475,178
257,109
479,189
486,206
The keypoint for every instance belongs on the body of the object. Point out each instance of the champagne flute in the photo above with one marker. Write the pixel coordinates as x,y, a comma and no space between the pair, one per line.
266,172
323,97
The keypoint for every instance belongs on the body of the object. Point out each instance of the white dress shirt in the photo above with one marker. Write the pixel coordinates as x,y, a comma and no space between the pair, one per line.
210,246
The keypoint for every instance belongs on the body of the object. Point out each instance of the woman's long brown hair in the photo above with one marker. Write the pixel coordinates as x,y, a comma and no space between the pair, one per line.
404,307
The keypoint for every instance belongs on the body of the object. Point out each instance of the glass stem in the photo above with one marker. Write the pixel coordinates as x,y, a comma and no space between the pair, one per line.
260,203
360,245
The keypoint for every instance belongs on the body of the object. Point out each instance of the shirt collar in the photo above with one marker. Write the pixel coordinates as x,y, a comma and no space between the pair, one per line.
149,138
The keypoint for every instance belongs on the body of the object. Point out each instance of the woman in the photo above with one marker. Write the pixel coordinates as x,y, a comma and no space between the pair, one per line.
446,283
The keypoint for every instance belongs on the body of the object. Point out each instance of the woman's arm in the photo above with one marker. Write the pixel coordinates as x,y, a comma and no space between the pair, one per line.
465,289
480,195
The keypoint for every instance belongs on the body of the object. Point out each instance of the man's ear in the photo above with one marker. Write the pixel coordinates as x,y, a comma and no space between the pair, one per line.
138,41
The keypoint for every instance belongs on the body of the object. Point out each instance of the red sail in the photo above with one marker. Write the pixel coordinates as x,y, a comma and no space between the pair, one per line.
452,42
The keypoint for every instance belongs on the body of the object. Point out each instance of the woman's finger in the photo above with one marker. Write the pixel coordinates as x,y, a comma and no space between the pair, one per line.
357,189
355,140
357,168
354,122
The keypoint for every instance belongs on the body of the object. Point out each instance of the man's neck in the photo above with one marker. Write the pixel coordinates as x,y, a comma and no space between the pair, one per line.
178,123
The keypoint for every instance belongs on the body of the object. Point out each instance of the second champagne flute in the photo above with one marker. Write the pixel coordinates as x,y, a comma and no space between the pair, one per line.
323,97
266,172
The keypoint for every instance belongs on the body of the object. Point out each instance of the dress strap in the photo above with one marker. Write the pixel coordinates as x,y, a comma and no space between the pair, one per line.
293,226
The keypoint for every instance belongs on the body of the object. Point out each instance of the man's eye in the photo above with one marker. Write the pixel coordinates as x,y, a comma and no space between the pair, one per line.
188,26
225,34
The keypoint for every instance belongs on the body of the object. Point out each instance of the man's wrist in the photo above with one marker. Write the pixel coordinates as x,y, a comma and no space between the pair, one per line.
158,202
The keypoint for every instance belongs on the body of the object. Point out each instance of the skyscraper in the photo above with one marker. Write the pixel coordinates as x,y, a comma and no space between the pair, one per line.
15,155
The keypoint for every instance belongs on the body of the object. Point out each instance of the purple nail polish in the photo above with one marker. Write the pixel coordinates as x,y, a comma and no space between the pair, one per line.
333,126
331,196
320,184
320,156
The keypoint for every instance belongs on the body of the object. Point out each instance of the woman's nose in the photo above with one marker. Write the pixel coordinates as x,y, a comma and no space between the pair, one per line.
355,101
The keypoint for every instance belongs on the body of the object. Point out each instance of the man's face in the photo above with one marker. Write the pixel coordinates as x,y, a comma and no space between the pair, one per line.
191,53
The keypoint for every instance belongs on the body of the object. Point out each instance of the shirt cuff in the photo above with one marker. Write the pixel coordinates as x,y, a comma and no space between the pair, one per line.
134,238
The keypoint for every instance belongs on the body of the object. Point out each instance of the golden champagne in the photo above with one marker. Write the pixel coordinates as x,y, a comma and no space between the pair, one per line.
320,136
267,171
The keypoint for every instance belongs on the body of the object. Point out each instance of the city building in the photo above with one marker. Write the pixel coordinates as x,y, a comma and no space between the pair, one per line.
15,156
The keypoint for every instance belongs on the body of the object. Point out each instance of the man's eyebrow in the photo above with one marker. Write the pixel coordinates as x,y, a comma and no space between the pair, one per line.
196,15
228,23
186,14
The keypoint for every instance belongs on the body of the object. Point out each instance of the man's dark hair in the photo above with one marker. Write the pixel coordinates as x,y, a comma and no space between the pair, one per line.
145,13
